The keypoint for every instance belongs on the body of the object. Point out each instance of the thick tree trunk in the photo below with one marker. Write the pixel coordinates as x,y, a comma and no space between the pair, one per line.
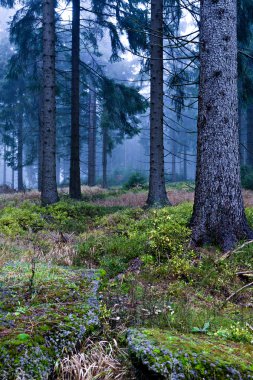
104,158
75,180
92,137
157,192
218,215
250,135
20,153
49,193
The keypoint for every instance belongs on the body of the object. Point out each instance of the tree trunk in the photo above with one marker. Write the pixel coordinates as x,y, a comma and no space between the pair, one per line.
12,178
40,143
49,193
75,180
157,192
185,163
92,137
13,164
218,215
20,153
104,158
4,166
58,169
250,135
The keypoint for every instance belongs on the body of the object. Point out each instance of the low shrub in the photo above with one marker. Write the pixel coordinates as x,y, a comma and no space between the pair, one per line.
65,216
128,234
136,180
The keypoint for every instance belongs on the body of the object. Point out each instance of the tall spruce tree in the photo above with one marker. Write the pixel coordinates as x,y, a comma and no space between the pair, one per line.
218,214
75,179
157,195
49,193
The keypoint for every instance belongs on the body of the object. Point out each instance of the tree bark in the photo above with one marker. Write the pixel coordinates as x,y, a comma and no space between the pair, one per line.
20,153
250,135
49,193
157,192
75,179
104,158
218,215
92,137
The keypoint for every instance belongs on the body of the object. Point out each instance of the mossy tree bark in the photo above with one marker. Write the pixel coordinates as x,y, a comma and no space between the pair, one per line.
218,215
49,193
157,192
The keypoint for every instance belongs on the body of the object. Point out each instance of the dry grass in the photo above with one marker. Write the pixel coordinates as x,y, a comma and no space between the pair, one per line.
34,195
133,199
176,197
98,360
130,199
17,198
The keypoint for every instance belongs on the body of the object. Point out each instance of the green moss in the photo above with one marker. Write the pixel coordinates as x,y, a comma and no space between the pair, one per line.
167,355
38,327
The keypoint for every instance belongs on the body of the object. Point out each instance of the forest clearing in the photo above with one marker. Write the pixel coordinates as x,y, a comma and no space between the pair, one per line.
126,189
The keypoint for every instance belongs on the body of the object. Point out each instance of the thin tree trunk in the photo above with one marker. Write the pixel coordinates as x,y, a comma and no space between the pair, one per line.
92,137
65,171
185,163
75,180
58,169
20,153
157,192
250,135
13,159
104,158
49,193
40,143
13,178
218,215
4,166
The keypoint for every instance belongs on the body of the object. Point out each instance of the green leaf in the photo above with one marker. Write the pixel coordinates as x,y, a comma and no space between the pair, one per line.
23,337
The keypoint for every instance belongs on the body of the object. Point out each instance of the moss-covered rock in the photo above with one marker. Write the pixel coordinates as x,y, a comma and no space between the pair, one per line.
165,355
43,318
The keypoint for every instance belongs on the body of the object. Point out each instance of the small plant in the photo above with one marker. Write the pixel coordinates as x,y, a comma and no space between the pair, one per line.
136,180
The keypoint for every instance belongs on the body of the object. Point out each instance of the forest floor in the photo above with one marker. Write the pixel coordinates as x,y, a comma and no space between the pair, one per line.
151,284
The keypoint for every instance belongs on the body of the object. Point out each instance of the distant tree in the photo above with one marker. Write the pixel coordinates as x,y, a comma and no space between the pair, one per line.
218,214
120,108
92,132
49,193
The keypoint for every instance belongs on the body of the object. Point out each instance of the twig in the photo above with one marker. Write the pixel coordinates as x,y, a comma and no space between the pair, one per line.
31,284
230,253
238,291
